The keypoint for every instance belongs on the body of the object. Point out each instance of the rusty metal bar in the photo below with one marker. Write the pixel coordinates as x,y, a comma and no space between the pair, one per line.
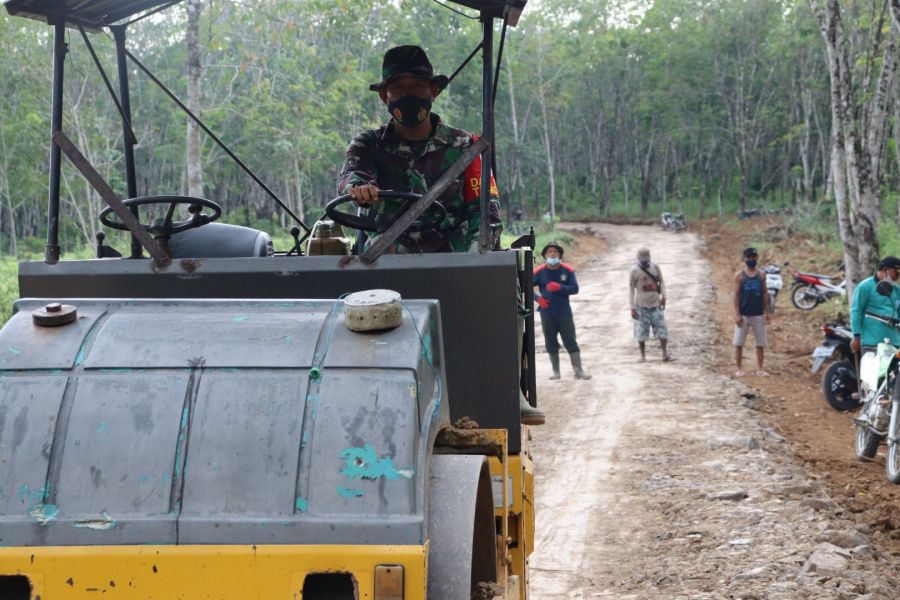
96,180
416,210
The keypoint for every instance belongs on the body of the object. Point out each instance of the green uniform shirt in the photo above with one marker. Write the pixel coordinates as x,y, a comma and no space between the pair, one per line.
383,158
866,299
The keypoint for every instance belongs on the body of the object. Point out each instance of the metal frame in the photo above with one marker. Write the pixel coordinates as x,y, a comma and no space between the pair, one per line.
60,20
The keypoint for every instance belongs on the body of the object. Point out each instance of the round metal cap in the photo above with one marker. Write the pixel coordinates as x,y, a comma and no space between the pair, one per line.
373,310
54,315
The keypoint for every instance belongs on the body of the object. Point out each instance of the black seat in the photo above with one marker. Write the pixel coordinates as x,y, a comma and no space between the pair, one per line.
219,240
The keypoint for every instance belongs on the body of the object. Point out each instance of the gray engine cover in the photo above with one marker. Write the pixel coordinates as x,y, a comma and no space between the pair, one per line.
217,421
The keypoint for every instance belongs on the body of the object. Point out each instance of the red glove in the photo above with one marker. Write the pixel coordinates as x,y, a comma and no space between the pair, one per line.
553,287
543,302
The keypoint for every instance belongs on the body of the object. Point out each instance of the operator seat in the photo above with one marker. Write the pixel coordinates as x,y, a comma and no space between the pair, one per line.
220,240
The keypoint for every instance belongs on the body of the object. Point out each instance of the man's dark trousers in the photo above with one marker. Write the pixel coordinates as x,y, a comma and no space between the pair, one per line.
554,326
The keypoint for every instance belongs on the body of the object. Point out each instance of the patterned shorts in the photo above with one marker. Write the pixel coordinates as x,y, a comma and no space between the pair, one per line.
647,318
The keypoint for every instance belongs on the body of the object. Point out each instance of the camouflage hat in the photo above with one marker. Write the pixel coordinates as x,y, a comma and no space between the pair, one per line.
556,245
407,61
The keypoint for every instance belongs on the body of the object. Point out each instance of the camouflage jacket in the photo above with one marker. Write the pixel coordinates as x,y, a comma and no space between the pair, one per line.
383,158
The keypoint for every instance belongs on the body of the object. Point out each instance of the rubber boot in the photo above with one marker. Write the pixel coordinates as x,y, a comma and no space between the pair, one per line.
576,364
554,361
528,414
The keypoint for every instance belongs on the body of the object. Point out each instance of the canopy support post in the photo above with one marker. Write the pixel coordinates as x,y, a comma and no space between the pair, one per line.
127,135
60,48
487,130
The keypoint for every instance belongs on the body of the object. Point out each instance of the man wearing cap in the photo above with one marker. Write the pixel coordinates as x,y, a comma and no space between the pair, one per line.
556,281
647,298
868,333
751,311
411,151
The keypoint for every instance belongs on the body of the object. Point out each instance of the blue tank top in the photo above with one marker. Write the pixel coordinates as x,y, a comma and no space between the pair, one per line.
751,297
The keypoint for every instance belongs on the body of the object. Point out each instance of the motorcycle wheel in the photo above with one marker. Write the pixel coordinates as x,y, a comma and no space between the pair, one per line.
772,296
839,385
867,442
804,297
892,464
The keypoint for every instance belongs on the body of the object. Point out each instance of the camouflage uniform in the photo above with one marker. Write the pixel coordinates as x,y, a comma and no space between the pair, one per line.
383,158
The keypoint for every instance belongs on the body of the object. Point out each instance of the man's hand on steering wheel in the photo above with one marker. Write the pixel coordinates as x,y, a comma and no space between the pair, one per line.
365,194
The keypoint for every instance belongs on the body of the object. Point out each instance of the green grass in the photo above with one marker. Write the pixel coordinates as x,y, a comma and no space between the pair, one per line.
9,287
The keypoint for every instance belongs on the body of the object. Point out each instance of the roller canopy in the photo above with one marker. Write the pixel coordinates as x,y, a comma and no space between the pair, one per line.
93,14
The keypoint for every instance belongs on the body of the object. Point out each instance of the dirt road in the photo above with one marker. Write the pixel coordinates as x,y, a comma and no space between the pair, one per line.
663,480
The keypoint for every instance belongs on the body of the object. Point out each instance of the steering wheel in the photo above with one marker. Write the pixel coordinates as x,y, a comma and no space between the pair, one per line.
381,222
165,227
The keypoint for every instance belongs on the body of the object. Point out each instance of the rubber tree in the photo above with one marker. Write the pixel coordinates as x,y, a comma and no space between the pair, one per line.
194,97
860,107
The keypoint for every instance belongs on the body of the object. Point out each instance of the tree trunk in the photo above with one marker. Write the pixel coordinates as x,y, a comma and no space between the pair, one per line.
859,126
194,98
546,129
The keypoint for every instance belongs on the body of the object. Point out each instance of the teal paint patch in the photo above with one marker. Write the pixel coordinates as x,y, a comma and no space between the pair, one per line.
105,523
14,350
350,493
29,495
143,478
287,339
304,440
44,513
103,427
301,504
426,346
239,319
364,463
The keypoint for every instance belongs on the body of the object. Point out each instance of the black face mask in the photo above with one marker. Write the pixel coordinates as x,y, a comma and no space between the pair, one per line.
410,110
751,263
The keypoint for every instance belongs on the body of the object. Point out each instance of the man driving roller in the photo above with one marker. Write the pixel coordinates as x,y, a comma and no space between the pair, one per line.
411,152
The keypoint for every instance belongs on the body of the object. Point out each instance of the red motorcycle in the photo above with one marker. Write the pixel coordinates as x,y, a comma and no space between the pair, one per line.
812,289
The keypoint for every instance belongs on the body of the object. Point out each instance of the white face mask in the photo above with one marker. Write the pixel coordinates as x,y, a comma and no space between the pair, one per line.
553,261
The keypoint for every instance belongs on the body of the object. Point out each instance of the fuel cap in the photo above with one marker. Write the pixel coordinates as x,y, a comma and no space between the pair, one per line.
54,315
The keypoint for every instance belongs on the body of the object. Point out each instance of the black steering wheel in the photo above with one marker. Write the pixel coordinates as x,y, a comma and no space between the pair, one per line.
381,222
165,227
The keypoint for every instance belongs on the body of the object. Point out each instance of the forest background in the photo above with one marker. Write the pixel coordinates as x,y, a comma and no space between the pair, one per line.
606,110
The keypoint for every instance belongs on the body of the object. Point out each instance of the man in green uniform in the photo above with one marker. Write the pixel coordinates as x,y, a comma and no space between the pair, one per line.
868,333
411,152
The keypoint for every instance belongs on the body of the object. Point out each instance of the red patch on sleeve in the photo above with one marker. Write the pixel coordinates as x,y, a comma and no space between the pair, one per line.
472,181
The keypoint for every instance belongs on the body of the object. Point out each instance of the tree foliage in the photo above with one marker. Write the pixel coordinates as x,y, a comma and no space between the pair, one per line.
692,105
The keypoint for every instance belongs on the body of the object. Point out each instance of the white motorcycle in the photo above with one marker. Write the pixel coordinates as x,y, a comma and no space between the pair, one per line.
774,283
879,416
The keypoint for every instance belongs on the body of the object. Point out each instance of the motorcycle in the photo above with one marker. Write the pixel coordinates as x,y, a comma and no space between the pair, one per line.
879,416
673,221
774,283
839,385
811,289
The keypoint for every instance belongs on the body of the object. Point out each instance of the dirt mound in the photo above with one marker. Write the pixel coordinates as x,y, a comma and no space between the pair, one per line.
819,436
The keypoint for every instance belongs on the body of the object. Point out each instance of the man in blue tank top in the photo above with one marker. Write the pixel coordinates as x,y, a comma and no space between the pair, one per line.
751,311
